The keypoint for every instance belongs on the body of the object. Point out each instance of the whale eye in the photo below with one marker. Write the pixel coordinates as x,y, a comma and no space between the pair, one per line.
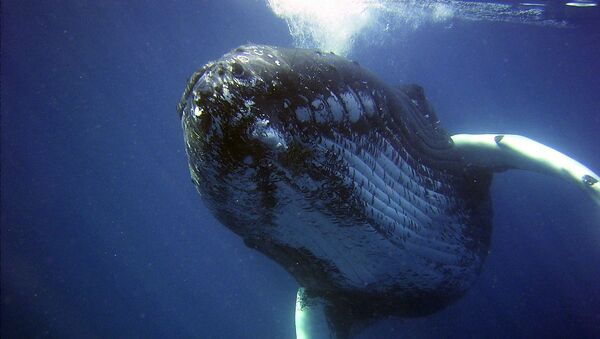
237,70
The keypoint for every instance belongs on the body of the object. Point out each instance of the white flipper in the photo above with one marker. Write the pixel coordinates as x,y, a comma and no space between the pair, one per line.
503,151
311,320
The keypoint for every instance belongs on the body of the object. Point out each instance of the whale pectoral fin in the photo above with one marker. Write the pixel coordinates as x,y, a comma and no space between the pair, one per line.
498,152
311,318
320,318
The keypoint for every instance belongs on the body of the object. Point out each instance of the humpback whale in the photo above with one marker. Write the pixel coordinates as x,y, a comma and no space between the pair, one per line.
350,184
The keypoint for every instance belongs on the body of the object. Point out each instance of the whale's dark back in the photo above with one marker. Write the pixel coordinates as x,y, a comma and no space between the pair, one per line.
350,184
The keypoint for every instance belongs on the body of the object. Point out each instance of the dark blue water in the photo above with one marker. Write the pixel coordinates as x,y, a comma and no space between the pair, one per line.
103,234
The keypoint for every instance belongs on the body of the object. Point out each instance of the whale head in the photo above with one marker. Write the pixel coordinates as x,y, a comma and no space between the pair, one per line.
253,121
234,138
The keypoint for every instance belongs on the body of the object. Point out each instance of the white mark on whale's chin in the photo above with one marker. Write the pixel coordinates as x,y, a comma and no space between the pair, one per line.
352,105
302,114
269,136
368,103
337,113
226,94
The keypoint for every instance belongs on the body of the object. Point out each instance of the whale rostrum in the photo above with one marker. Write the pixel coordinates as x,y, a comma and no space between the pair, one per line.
350,184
